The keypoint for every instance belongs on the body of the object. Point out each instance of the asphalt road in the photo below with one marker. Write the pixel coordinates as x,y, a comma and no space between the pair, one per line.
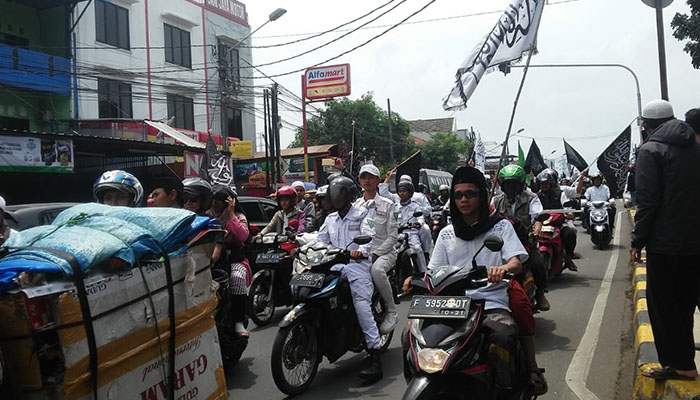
601,369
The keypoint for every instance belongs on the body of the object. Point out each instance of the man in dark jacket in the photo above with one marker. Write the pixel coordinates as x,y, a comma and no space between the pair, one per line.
668,208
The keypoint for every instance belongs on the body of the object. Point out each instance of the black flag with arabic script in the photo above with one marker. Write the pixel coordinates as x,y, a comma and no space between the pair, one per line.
614,161
574,158
215,167
534,159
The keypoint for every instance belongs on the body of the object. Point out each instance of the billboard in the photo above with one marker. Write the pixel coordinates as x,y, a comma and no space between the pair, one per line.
326,82
30,154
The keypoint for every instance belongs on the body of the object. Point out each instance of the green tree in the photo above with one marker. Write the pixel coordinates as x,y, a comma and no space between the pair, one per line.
444,150
687,27
334,126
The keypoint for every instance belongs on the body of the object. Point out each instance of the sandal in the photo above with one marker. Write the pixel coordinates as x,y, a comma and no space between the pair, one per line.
538,383
664,373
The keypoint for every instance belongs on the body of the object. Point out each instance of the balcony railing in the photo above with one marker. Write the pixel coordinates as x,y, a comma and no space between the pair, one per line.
33,70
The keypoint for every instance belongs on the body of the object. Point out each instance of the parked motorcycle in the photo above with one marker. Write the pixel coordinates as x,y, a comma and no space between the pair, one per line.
550,245
447,354
323,321
598,220
270,284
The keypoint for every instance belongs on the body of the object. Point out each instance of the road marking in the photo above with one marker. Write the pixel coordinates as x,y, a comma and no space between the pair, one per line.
577,374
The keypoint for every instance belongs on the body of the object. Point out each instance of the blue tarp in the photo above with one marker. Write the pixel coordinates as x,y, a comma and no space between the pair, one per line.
93,233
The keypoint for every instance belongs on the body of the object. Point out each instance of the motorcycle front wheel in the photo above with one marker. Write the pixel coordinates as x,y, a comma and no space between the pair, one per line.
295,357
261,305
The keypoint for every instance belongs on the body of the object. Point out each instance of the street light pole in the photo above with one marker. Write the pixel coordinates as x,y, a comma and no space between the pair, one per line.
658,6
602,65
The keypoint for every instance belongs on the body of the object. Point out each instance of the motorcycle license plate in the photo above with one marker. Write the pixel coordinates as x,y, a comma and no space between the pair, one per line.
308,280
267,258
454,307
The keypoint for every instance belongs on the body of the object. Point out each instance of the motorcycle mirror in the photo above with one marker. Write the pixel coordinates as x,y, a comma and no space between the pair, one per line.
493,243
418,214
362,239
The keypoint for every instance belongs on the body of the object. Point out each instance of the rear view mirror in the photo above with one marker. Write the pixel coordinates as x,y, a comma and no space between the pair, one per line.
418,214
493,243
362,239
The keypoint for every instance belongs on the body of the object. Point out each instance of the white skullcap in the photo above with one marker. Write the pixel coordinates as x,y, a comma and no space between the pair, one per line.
657,109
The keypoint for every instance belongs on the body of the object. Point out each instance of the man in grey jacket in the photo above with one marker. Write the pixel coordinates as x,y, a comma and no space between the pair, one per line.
667,173
382,213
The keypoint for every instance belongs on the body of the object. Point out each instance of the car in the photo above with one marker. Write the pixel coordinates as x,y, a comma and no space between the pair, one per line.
24,216
258,210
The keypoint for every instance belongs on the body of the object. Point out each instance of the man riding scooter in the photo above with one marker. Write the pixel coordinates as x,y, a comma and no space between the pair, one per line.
444,197
523,208
553,197
339,229
598,192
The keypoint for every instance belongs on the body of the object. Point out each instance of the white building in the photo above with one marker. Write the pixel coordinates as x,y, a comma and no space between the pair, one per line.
166,60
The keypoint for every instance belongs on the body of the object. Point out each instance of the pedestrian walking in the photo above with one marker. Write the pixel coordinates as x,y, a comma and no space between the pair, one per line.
667,172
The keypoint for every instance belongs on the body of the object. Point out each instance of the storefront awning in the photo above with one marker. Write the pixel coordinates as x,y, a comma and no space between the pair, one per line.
179,136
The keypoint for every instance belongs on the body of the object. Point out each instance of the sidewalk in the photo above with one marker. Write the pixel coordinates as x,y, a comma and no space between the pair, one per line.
647,388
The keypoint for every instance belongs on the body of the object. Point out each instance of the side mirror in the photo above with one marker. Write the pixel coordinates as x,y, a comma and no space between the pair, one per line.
418,214
493,243
362,239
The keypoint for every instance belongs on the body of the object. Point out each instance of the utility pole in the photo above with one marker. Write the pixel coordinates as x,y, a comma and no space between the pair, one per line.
391,136
266,133
658,6
275,129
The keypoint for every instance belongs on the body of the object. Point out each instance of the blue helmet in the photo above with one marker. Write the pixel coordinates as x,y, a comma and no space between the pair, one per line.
121,181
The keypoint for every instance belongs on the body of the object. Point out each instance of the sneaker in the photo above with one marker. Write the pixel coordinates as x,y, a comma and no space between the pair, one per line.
240,329
570,265
390,320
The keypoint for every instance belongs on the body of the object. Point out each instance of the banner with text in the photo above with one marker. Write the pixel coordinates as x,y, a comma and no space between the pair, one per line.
29,154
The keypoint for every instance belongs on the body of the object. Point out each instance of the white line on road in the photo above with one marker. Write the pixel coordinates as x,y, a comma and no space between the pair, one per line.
577,374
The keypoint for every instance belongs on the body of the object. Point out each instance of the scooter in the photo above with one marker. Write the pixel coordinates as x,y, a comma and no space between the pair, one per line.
550,245
446,353
598,217
269,287
323,321
438,221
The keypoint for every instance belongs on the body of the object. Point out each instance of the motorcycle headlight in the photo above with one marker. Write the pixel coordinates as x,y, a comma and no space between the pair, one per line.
432,360
269,239
598,216
315,257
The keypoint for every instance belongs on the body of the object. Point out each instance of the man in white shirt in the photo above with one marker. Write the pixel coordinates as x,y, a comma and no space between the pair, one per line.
598,192
383,212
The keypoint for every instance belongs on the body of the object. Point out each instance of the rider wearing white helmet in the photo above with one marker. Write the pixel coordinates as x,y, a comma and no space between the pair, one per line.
118,188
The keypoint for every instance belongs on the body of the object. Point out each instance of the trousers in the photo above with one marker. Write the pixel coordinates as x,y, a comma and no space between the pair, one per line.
414,242
426,239
568,238
672,295
358,276
381,281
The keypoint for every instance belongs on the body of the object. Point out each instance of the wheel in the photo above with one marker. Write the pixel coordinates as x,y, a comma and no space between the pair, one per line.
295,357
261,306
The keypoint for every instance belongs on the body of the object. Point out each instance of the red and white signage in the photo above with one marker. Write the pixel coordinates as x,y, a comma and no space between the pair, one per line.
326,82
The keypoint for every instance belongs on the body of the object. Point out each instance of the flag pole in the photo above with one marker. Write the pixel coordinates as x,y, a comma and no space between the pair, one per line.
512,118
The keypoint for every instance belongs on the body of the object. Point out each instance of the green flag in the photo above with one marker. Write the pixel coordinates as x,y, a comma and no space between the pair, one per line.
521,162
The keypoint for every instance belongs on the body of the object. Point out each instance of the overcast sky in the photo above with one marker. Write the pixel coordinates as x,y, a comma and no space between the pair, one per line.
414,65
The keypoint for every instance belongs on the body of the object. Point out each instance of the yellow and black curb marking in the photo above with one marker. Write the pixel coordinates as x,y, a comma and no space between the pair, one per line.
645,351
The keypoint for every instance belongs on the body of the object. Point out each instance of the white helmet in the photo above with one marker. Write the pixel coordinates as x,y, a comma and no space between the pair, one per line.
406,178
121,181
444,187
322,191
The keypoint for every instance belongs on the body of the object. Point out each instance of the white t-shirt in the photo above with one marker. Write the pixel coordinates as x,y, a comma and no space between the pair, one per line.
451,250
598,193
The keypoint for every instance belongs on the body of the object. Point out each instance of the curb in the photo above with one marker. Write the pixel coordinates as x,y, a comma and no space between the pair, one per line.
646,388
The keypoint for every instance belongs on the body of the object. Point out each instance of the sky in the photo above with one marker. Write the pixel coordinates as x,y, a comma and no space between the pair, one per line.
414,65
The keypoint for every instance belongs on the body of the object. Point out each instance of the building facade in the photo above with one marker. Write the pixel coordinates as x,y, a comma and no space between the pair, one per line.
176,61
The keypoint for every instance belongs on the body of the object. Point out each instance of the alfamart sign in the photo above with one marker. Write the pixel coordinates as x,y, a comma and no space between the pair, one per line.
327,82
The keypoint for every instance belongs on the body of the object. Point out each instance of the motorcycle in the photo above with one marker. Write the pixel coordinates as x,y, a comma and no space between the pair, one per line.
438,221
269,287
447,351
550,244
232,345
323,321
598,221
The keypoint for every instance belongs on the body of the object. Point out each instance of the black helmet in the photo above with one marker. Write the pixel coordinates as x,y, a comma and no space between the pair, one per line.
223,192
199,188
407,186
333,176
546,176
342,192
422,188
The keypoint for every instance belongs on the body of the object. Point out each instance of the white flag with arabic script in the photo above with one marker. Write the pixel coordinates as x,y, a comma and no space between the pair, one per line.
513,35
